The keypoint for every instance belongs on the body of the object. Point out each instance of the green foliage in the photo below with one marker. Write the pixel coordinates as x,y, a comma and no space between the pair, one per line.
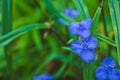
115,16
33,42
4,40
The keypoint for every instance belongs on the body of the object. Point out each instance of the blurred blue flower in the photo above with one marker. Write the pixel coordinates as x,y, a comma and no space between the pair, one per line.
61,21
82,28
85,48
108,70
69,12
43,77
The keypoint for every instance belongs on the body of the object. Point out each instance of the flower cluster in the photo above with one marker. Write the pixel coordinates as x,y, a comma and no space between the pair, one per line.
108,70
43,77
85,47
69,12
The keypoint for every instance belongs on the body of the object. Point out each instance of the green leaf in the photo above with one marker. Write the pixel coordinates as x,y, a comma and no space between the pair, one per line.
48,59
95,21
115,16
70,41
4,40
67,48
106,39
81,7
37,39
60,71
50,6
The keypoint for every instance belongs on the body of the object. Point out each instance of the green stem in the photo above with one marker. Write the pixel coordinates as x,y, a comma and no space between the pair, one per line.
6,28
86,71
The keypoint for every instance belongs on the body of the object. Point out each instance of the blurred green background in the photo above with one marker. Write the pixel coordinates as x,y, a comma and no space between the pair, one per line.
41,51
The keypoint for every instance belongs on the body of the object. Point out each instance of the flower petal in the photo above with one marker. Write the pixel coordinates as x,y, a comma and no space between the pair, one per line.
84,33
100,73
109,62
115,75
74,13
37,77
74,27
67,11
71,12
92,42
86,23
46,77
76,46
61,21
87,55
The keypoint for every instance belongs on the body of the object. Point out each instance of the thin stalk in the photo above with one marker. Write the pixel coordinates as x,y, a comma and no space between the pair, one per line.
86,73
6,28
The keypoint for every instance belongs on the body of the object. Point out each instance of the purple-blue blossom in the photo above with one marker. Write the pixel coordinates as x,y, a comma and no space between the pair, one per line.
85,48
82,29
108,70
43,77
69,12
61,21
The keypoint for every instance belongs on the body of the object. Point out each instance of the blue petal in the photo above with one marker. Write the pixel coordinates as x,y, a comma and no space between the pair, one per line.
74,27
92,42
87,55
86,23
77,46
84,33
109,62
115,75
46,77
74,13
100,73
61,21
71,12
67,11
37,77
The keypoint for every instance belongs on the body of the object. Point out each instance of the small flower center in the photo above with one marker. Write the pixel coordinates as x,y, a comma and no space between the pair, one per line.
85,46
109,69
81,28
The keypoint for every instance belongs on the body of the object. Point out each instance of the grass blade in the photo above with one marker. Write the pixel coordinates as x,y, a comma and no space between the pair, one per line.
6,28
81,7
115,16
106,39
94,28
4,40
47,60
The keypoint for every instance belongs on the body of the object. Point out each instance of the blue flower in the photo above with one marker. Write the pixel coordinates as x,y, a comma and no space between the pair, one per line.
85,48
61,21
82,29
108,70
69,12
43,77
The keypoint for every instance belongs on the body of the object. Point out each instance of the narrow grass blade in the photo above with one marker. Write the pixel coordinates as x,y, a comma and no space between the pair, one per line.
4,40
106,39
60,71
67,48
115,16
81,7
37,39
6,16
50,6
6,28
47,60
95,22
